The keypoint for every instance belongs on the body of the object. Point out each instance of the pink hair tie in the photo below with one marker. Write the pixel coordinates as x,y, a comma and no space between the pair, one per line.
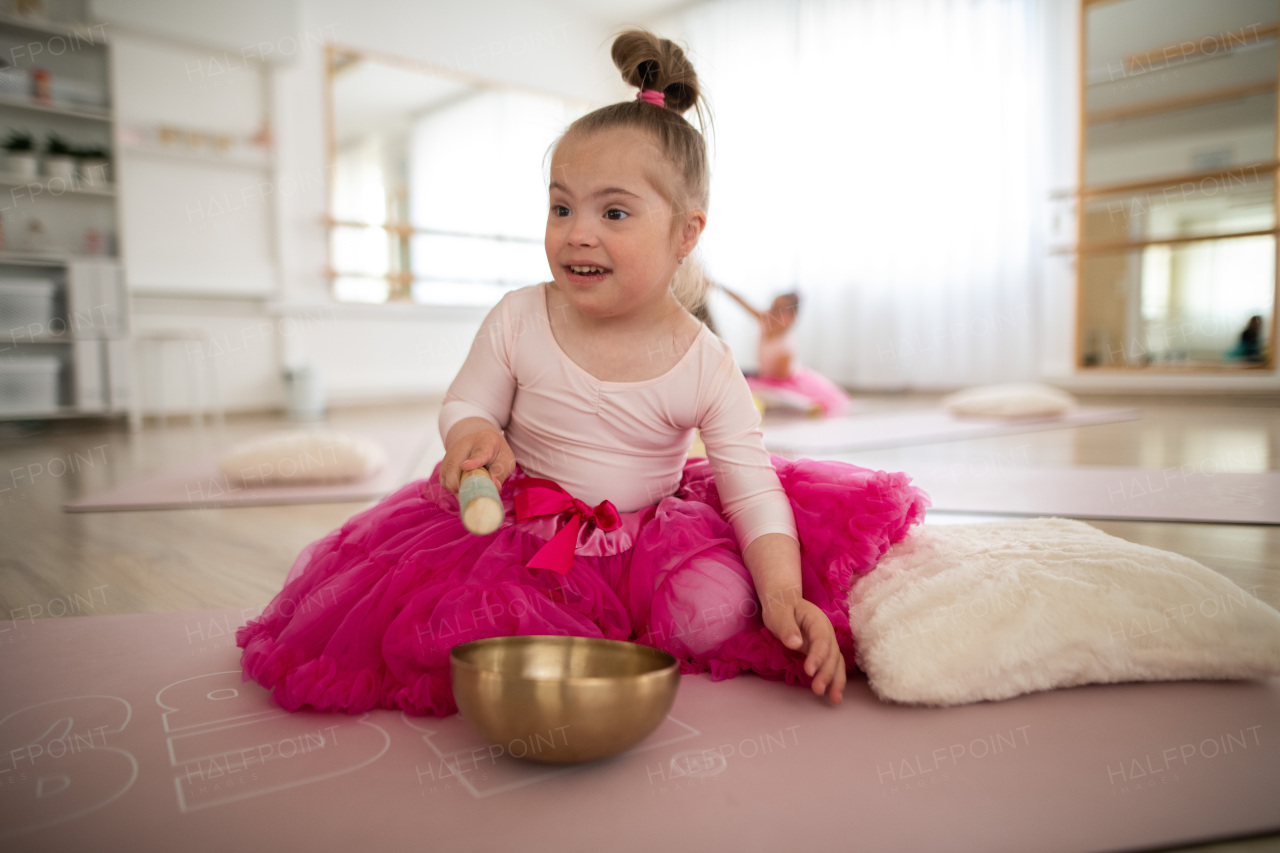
652,96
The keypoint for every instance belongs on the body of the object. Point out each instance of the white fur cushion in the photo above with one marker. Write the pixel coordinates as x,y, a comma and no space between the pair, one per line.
1013,401
302,457
962,613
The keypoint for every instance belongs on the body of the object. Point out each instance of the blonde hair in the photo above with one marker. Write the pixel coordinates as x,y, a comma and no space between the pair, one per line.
649,62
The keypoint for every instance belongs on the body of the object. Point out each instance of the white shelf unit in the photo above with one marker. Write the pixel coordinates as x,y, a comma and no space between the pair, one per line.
56,186
11,102
61,232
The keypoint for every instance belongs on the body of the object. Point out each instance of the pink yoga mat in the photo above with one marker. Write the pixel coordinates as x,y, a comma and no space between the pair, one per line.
871,432
1186,493
199,484
136,733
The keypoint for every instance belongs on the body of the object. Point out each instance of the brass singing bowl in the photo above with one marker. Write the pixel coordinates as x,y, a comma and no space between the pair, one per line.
562,700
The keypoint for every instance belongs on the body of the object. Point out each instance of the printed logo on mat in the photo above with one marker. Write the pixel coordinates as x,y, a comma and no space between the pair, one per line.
461,759
229,743
697,764
58,761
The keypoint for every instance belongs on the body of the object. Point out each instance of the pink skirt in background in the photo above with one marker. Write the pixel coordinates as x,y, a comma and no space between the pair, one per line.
369,613
803,389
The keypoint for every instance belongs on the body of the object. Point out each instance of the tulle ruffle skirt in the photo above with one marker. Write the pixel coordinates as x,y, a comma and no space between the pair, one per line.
369,612
803,389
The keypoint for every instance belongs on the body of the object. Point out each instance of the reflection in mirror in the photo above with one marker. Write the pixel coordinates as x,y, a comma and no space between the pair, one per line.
1177,204
438,193
1176,305
1191,139
1240,201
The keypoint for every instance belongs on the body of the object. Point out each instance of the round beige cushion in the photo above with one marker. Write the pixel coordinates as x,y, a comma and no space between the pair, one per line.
302,457
1012,401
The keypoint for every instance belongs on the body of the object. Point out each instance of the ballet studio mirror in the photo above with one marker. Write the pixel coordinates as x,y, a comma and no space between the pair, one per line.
437,193
1176,243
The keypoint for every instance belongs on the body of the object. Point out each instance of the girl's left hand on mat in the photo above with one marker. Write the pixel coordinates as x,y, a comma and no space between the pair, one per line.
805,628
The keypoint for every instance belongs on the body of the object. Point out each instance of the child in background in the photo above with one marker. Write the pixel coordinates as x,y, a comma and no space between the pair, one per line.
781,377
581,396
1249,347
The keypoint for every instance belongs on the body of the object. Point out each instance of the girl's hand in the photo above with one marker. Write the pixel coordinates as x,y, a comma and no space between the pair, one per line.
483,447
802,626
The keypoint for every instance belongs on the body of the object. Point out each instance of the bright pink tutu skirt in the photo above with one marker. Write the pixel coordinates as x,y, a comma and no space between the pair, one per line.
805,385
369,613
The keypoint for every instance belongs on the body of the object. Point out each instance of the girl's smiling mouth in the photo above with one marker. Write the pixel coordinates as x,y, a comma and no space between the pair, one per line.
585,273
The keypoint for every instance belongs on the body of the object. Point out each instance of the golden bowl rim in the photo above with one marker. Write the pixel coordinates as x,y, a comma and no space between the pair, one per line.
673,662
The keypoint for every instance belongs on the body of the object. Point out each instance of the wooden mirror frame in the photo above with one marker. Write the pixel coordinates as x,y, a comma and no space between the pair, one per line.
1084,193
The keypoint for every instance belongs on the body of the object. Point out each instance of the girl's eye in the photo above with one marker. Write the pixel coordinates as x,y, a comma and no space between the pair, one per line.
615,214
559,210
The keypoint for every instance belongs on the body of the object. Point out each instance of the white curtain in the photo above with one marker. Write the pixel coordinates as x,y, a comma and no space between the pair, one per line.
885,158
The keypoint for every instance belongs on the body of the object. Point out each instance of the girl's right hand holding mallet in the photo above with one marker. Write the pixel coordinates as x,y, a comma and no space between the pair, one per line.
475,449
479,503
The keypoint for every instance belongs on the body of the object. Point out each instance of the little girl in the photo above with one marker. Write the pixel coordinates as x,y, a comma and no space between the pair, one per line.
781,377
581,395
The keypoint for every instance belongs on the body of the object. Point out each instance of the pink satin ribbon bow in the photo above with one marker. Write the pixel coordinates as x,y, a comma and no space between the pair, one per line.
537,497
652,96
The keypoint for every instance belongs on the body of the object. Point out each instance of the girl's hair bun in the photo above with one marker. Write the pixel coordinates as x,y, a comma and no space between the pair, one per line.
649,62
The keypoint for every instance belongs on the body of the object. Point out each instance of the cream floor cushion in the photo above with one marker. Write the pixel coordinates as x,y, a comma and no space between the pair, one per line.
302,457
964,613
1012,401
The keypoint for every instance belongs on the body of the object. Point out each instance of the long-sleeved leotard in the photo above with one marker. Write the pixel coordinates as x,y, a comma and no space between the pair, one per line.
621,441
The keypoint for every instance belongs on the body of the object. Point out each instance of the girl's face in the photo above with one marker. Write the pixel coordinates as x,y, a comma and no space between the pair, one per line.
782,313
612,239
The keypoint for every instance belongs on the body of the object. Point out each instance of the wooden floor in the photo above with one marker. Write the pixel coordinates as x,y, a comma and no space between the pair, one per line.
54,563
155,561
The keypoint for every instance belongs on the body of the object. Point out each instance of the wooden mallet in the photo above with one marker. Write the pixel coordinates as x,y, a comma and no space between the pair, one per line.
482,511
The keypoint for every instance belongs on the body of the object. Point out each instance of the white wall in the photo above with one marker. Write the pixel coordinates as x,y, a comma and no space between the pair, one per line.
226,24
1062,99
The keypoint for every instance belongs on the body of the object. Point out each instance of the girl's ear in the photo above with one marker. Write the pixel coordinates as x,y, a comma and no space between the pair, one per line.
694,222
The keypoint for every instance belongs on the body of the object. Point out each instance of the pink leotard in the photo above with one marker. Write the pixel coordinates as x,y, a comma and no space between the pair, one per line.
621,441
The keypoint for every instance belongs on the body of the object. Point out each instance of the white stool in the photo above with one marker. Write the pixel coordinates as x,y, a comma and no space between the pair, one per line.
152,350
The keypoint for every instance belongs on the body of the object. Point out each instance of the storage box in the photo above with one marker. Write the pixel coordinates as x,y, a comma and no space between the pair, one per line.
14,82
26,307
29,385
